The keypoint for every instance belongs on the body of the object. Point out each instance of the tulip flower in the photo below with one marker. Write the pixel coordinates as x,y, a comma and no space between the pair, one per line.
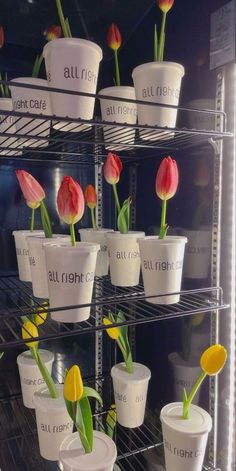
112,170
29,331
165,6
90,197
54,32
212,362
1,37
114,40
73,386
70,203
120,335
34,196
41,316
76,399
167,179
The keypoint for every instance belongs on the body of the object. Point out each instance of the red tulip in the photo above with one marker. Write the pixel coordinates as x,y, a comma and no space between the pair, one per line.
54,32
165,5
31,189
114,38
90,196
70,201
1,36
167,179
112,168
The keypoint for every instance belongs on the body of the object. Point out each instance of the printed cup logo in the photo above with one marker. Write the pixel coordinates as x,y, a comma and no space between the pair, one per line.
123,255
123,398
103,248
161,91
49,428
22,252
70,277
122,110
32,382
32,261
183,452
32,104
75,72
162,265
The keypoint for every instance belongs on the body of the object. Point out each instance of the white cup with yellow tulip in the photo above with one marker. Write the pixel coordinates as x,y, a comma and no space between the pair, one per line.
186,426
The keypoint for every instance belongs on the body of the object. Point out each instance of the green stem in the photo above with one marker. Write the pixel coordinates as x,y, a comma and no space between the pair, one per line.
72,234
45,373
116,198
32,220
117,69
193,391
163,220
62,19
155,43
37,65
46,223
93,218
162,37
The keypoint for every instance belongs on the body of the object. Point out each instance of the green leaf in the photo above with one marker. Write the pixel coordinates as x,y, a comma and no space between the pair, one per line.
155,43
79,422
90,392
69,34
124,217
1,355
86,413
70,409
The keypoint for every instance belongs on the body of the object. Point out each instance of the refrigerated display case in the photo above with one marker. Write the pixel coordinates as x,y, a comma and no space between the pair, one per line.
155,330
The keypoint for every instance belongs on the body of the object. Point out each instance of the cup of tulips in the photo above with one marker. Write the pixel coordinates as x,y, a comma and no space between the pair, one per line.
52,418
123,248
130,379
158,82
86,449
162,256
120,137
96,234
70,265
186,426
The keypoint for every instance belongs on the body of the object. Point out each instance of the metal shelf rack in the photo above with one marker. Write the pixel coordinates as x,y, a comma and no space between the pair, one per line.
17,300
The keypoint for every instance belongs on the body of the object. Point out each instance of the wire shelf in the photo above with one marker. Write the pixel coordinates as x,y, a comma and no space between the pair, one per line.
38,137
17,300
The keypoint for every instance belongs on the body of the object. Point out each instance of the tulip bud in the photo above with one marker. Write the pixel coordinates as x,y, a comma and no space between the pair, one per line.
54,32
1,37
73,386
90,196
70,201
165,5
41,317
29,331
167,179
113,332
114,38
213,359
112,168
31,189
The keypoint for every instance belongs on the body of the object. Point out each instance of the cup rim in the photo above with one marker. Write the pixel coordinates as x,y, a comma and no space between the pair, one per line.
107,90
73,41
130,234
80,246
168,420
159,64
169,240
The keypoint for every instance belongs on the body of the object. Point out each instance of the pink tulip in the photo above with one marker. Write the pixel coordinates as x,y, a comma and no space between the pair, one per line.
112,168
70,201
31,189
167,179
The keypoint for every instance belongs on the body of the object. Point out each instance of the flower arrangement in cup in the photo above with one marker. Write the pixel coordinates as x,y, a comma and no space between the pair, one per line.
114,40
90,197
120,335
167,180
34,196
70,204
112,170
159,43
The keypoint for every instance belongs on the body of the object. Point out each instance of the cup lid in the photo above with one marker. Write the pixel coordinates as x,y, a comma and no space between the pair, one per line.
141,373
200,421
79,247
25,358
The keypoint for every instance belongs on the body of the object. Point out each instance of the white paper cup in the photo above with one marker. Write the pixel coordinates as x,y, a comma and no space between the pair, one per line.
70,275
99,237
7,125
119,112
28,100
53,422
30,377
102,457
197,254
37,262
124,258
185,375
154,462
157,82
162,264
22,253
184,440
198,120
130,391
72,64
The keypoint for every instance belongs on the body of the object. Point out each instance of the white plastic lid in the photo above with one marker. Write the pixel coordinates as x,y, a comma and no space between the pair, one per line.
25,358
166,241
159,65
44,402
27,232
141,373
129,235
79,247
73,457
200,421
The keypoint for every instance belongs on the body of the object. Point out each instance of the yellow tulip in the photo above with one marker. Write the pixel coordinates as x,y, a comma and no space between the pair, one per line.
29,331
73,386
111,416
213,359
41,317
113,332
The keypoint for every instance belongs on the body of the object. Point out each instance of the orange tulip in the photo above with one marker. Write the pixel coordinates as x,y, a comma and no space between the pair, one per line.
165,5
114,38
90,196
